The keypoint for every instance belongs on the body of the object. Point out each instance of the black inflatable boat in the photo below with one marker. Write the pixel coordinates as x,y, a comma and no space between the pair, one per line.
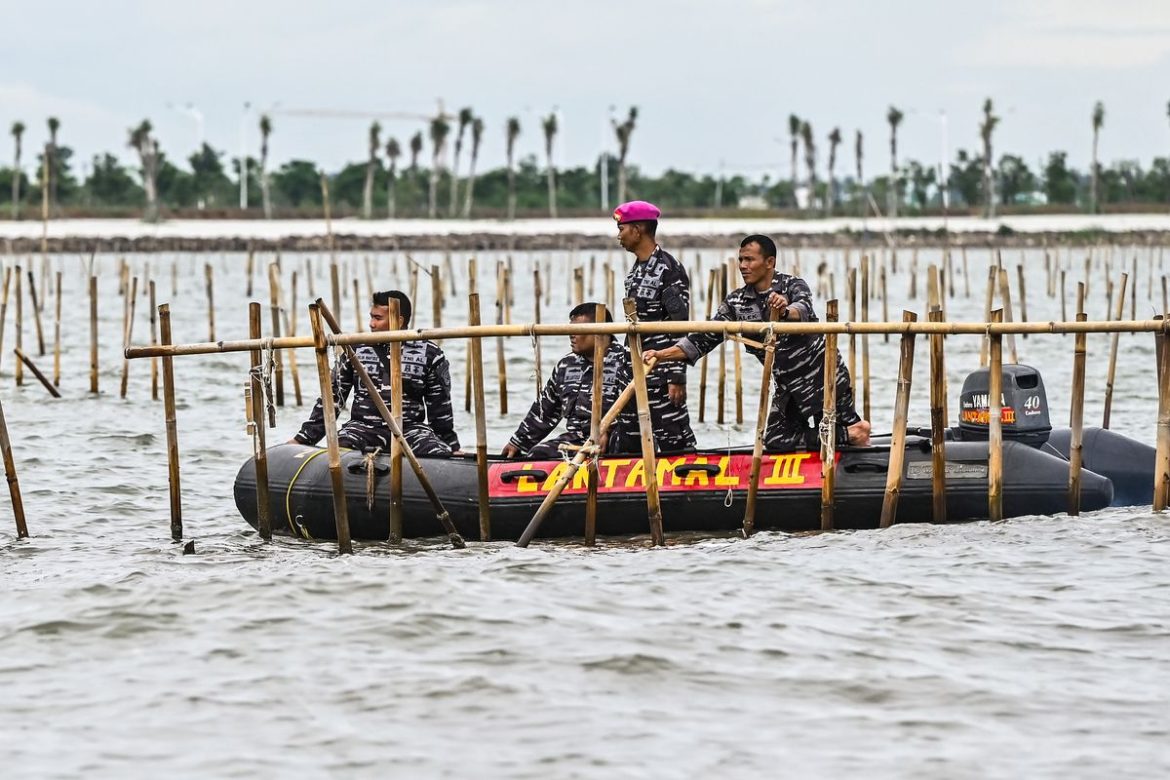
706,491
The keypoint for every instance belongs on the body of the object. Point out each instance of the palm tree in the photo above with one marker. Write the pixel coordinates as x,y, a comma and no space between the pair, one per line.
54,126
469,193
550,132
794,144
623,132
265,131
465,119
859,156
440,128
393,152
834,142
416,147
1098,123
810,162
17,133
512,133
371,168
894,117
986,128
147,148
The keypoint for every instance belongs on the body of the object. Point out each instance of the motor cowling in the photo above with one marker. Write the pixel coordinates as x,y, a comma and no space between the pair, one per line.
1024,406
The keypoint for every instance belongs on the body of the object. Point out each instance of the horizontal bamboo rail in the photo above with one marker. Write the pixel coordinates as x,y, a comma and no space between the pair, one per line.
677,328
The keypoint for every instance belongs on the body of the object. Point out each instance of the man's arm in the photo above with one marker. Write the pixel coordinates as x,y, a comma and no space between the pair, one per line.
543,416
437,399
342,383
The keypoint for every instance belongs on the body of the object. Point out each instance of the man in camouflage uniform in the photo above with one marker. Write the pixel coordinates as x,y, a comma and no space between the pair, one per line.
427,420
568,395
799,363
661,291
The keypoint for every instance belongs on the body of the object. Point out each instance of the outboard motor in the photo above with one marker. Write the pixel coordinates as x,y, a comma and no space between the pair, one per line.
1025,406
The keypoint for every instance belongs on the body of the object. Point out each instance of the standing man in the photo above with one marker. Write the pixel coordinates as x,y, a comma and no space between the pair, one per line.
568,395
428,423
799,364
661,291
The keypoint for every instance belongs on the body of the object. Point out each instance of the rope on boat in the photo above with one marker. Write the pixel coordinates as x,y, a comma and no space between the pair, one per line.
371,474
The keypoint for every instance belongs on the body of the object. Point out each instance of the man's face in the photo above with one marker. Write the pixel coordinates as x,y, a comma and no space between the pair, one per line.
753,266
580,343
629,234
379,318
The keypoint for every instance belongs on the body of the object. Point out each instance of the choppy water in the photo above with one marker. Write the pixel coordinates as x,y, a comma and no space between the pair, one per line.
1035,647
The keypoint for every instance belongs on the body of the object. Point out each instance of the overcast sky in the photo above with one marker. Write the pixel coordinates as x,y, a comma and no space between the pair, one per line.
714,81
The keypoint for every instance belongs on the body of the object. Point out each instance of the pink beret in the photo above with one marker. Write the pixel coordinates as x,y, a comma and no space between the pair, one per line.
636,211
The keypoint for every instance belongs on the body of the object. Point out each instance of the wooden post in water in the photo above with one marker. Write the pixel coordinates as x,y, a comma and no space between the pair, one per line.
865,337
592,473
721,392
36,308
749,514
394,314
898,440
259,417
290,326
340,515
992,278
436,296
153,342
885,302
358,310
711,283
536,339
578,285
168,378
1077,421
995,422
938,422
738,357
481,464
10,476
829,412
1005,294
4,308
1162,450
93,333
472,286
128,335
45,383
649,461
57,332
1113,344
501,362
209,279
249,267
18,367
851,291
1063,298
274,312
1023,296
335,288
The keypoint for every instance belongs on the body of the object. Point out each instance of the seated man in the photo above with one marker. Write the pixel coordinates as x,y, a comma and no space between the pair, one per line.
427,420
799,363
568,395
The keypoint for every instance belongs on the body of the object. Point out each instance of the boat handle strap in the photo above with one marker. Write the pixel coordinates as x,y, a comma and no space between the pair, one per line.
709,469
518,474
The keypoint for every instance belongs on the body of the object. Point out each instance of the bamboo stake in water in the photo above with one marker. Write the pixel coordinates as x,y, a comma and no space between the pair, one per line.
851,291
290,322
592,476
1077,421
938,422
18,369
1162,449
357,307
128,335
396,507
501,364
153,341
645,426
263,506
10,476
1023,296
329,413
1112,372
481,464
537,363
274,314
885,301
472,286
995,423
721,392
898,440
57,333
248,274
1005,293
992,278
26,360
1063,298
36,308
4,308
749,514
703,360
829,412
436,296
168,377
865,337
578,285
209,281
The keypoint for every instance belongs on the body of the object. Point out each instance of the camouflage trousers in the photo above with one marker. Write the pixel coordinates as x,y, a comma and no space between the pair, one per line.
798,402
421,439
672,424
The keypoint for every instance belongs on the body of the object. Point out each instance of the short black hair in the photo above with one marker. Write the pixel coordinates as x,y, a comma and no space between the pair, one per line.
767,245
647,226
589,310
404,307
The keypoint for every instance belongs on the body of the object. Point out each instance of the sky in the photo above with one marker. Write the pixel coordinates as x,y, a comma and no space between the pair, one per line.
714,82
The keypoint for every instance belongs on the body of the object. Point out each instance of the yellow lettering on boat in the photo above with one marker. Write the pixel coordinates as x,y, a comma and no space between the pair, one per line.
526,484
698,477
786,469
556,474
611,467
667,466
637,475
722,479
581,478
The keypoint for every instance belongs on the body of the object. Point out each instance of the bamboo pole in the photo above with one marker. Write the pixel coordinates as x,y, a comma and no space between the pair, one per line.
26,360
172,429
1133,291
36,309
966,276
578,285
436,296
829,412
248,274
358,314
537,362
472,286
263,506
703,360
501,363
1112,373
57,332
11,477
274,313
335,288
4,308
898,440
721,393
1063,297
1023,295
18,368
340,516
865,337
208,275
938,422
885,301
153,342
396,507
1006,299
1077,422
481,465
395,427
749,514
649,462
851,291
1162,449
738,358
992,276
995,423
592,476
290,323
93,334
128,335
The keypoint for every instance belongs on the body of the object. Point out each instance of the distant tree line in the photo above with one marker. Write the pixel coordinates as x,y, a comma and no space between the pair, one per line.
385,184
